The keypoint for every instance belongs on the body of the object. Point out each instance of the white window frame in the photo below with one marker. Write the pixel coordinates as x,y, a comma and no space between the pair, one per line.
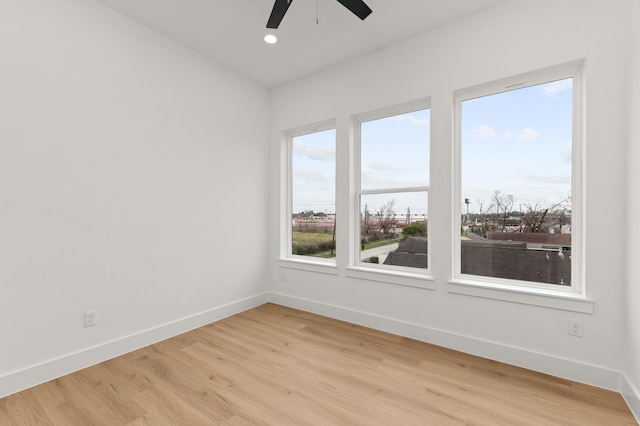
406,276
574,297
287,258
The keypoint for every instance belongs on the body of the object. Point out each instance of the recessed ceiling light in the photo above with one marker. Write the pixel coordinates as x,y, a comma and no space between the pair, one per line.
270,39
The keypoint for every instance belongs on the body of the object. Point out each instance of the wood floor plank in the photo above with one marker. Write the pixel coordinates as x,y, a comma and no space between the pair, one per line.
274,365
20,409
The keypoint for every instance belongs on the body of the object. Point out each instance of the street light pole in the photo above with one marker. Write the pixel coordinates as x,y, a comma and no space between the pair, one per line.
466,201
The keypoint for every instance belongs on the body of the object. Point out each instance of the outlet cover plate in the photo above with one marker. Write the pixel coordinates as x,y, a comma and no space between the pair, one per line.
90,318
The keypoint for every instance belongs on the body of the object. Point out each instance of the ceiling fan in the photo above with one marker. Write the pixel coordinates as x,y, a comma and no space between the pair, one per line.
357,7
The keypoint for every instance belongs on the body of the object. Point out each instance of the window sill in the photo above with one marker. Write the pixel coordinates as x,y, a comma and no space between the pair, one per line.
311,265
408,279
547,298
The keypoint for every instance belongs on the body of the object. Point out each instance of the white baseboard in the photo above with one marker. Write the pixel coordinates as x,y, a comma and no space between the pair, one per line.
559,367
632,397
544,363
54,368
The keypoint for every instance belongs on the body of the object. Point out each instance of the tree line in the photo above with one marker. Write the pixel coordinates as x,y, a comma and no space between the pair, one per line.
498,215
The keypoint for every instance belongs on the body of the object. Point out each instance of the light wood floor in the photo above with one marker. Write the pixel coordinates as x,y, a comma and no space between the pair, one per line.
279,366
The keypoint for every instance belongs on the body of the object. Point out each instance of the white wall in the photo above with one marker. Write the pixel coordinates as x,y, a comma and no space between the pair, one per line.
632,313
513,38
126,162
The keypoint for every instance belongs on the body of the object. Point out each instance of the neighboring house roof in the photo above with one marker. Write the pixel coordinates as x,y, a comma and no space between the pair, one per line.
563,240
412,260
413,245
412,253
493,258
513,260
471,236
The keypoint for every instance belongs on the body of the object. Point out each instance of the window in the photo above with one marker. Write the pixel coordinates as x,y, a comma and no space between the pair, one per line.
519,165
393,188
312,208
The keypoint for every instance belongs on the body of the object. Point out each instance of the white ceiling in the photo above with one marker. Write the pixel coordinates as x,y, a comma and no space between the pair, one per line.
231,31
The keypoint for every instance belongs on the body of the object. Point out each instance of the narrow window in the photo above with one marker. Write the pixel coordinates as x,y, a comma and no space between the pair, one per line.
313,205
517,174
394,189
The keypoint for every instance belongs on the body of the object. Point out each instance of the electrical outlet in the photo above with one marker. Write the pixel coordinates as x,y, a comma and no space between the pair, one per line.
90,318
575,328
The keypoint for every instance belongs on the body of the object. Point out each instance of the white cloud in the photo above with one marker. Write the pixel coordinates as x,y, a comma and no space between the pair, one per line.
308,176
413,120
389,181
301,149
567,152
551,179
484,132
380,165
526,135
551,90
417,121
529,134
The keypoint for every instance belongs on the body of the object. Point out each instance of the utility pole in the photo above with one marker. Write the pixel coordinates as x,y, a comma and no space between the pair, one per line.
466,201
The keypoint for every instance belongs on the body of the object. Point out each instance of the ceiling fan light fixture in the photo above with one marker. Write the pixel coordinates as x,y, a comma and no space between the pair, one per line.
270,39
280,7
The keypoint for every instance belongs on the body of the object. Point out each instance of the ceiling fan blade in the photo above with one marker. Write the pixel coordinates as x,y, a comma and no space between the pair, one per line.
280,7
357,7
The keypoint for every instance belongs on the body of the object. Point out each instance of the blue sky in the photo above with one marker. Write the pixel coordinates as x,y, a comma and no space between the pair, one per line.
395,154
395,151
516,142
313,168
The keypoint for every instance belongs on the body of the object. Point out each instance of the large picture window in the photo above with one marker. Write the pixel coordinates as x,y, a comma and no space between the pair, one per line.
394,188
519,165
312,229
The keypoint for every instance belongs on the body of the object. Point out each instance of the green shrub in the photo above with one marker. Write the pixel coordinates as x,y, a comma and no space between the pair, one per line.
308,248
415,229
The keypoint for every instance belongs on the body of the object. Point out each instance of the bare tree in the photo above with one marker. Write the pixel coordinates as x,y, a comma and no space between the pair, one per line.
481,220
366,227
385,216
500,209
561,214
534,218
537,218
